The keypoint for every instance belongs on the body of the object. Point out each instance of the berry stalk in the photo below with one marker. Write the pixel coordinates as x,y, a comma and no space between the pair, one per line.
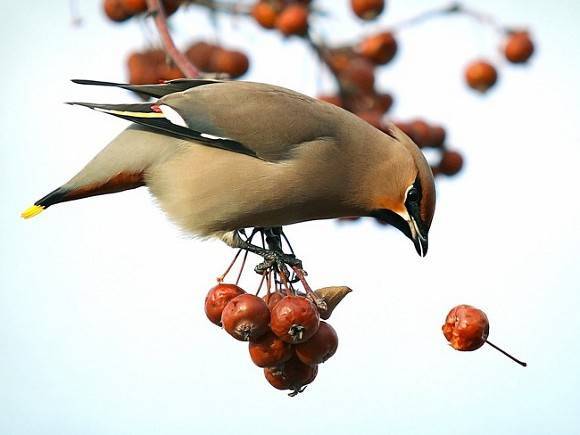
523,364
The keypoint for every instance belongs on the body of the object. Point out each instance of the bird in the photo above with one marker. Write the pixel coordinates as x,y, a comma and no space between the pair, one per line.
221,156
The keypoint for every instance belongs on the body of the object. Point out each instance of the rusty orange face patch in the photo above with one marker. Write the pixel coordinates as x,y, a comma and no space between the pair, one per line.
386,203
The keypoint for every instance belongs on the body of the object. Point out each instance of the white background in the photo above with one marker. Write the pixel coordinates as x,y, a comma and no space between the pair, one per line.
102,328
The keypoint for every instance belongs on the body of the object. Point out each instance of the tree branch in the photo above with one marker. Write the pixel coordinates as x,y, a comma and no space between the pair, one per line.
158,14
452,8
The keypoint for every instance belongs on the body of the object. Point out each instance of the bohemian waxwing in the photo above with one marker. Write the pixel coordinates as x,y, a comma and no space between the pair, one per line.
221,156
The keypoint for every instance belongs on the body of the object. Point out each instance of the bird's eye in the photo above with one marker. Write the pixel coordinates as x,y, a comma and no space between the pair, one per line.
413,195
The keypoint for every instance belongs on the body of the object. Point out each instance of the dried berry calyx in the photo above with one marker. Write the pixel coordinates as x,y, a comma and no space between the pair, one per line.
331,296
246,317
293,375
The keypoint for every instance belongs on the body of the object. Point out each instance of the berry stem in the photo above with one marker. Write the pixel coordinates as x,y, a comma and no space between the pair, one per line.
284,279
262,282
182,62
300,274
242,267
523,364
223,275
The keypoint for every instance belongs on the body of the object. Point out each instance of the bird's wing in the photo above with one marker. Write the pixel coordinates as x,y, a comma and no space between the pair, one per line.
155,90
150,115
263,121
270,120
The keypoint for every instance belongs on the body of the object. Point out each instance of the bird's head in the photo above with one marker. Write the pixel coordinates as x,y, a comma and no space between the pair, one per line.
404,194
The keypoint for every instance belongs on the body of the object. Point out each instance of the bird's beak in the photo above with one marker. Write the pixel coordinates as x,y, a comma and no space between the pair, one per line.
419,240
408,225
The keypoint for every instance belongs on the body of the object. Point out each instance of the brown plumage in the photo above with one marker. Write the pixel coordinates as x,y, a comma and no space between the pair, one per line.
222,156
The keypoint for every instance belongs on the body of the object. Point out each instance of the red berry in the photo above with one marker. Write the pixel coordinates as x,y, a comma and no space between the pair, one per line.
292,375
339,60
115,11
419,131
171,6
367,9
358,76
294,319
200,54
135,6
379,49
217,299
293,20
272,299
332,99
519,47
234,63
369,101
320,347
481,75
246,317
265,14
466,328
451,163
270,351
436,136
373,117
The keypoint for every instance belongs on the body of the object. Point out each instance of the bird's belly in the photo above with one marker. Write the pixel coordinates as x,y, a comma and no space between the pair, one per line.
211,191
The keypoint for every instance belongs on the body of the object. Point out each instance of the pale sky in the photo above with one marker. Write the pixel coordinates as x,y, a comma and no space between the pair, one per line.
101,300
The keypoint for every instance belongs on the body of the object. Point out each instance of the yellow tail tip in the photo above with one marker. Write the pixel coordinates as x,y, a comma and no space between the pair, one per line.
31,211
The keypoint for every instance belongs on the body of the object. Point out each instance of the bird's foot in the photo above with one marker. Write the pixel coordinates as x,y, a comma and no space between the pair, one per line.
278,260
274,256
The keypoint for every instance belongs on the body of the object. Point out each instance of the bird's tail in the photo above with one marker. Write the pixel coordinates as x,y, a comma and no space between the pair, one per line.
120,166
118,183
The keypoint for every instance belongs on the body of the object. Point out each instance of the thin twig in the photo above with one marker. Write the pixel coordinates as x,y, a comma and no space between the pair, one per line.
325,57
452,8
234,8
426,15
158,14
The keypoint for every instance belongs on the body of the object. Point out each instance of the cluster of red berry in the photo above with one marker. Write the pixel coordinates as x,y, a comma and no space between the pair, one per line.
122,10
288,17
518,47
211,58
287,338
426,135
153,65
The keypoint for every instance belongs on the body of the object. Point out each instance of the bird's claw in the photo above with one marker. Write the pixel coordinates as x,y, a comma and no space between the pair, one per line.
277,260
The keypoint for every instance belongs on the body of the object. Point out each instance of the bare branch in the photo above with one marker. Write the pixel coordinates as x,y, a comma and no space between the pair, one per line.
158,14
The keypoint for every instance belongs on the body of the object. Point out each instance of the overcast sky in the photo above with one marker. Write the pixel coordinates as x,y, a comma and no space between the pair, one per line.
101,301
